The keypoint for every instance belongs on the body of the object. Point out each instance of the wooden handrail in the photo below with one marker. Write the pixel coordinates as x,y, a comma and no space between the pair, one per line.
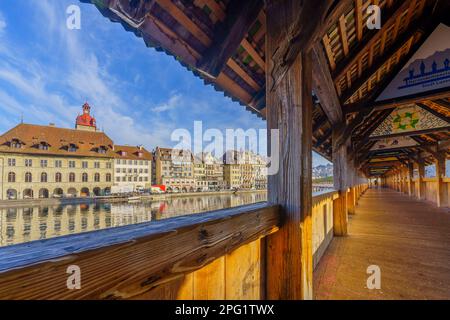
320,196
125,261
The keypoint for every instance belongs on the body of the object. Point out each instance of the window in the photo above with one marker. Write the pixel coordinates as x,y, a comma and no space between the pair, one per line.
135,162
146,170
43,177
135,170
58,177
84,164
130,170
102,150
108,177
118,161
43,146
146,163
141,162
28,163
84,177
72,148
124,179
118,179
140,179
108,165
71,177
71,164
97,165
129,179
58,163
11,162
16,144
97,177
118,170
11,177
28,177
44,163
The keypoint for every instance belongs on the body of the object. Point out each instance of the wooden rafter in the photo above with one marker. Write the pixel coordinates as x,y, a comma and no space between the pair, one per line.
228,36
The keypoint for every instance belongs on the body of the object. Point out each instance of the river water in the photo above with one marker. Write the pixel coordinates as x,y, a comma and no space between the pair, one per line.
18,225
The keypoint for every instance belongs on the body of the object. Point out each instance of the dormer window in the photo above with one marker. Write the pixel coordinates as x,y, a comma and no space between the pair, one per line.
102,150
16,144
72,148
123,153
43,145
140,154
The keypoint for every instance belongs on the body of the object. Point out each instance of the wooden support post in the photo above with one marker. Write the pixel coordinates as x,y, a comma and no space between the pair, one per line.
410,179
340,214
350,201
340,217
289,263
421,184
441,190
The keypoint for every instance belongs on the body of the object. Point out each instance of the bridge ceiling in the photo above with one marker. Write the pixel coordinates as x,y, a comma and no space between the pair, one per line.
223,43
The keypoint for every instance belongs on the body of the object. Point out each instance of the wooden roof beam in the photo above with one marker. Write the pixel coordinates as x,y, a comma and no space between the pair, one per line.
303,33
324,88
406,38
370,39
434,112
228,35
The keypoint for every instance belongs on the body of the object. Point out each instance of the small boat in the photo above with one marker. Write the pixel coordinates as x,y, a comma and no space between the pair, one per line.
134,199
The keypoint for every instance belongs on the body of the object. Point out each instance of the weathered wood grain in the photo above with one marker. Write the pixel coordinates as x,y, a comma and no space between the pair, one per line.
128,261
289,110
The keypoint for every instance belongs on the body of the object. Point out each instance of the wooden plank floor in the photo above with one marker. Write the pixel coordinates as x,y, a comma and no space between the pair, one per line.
408,239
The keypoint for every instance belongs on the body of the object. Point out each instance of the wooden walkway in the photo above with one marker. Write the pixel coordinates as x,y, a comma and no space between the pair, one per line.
408,239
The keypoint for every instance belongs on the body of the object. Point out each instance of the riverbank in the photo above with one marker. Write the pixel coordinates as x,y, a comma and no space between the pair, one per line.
115,199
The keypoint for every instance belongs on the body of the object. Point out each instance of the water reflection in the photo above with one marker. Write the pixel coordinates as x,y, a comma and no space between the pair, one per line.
19,225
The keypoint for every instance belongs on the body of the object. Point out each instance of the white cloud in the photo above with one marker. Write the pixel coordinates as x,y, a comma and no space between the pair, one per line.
170,104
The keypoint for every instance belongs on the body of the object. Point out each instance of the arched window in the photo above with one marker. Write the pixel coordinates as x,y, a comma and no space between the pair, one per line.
108,177
28,177
97,177
58,177
11,177
71,177
43,177
84,177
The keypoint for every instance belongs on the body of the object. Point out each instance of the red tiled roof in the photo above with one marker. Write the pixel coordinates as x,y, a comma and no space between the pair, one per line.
132,153
58,139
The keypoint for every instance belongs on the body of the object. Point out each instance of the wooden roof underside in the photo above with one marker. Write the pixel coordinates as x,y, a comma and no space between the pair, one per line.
223,42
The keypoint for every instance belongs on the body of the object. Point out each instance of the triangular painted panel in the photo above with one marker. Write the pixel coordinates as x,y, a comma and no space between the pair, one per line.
408,119
394,143
427,70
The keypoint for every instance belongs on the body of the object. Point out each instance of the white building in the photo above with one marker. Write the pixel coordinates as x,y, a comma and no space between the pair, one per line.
132,167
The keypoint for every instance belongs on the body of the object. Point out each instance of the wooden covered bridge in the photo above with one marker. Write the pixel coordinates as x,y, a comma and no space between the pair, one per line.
374,101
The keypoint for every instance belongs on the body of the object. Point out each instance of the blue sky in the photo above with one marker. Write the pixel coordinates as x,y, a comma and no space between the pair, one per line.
138,95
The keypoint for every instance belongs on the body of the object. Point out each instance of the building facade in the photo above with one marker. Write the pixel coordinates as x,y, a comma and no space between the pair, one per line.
45,161
174,169
132,168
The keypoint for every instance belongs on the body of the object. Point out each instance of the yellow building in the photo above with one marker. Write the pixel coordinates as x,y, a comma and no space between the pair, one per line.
46,161
174,169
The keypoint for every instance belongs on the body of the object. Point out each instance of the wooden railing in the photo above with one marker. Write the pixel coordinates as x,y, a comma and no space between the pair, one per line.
435,190
213,255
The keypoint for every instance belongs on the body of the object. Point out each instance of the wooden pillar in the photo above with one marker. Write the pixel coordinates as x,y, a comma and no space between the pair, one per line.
340,214
350,201
441,190
421,184
289,263
410,179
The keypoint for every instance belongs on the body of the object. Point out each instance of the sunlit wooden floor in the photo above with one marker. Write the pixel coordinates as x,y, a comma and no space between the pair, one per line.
408,239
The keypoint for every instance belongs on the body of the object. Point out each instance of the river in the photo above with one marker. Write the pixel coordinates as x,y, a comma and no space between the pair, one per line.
24,224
